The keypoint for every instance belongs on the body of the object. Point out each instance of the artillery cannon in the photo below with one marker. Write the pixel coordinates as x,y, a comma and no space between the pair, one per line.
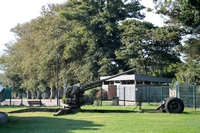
75,98
75,94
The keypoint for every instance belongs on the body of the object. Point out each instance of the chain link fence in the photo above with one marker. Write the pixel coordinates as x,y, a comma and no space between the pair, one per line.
143,93
190,94
130,95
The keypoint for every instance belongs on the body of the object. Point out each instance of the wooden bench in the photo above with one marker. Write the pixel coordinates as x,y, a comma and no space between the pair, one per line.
31,103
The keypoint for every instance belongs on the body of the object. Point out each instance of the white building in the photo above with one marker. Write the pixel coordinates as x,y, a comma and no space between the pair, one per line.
137,87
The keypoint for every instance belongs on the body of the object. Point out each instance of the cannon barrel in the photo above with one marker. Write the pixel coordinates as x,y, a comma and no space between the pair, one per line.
98,83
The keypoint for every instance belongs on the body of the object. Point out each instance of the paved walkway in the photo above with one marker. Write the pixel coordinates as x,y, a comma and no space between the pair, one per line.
47,102
17,102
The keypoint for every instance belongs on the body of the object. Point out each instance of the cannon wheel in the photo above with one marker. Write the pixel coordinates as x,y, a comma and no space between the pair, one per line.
174,105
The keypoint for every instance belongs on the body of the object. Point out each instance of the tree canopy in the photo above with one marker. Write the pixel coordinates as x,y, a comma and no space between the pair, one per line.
94,38
184,14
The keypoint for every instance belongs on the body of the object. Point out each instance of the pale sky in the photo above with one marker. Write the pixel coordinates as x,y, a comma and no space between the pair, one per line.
13,12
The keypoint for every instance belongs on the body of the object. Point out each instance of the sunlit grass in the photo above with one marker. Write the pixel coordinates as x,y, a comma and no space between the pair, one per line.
45,122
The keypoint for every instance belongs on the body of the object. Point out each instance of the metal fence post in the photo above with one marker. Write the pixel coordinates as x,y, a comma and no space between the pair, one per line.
21,96
148,93
161,92
194,97
177,88
140,101
101,96
124,96
10,95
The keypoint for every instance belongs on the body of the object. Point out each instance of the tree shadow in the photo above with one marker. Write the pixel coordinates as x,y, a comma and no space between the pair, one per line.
37,124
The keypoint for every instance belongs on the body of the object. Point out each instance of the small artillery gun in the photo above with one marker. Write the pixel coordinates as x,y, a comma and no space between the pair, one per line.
75,98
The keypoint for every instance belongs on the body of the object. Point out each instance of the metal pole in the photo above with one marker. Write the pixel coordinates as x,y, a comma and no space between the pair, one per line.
40,97
124,96
10,95
161,92
58,101
101,96
21,97
194,97
140,101
177,89
148,95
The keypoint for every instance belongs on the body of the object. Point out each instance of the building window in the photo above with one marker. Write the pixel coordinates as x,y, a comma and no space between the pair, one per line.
117,82
139,82
128,82
108,82
147,82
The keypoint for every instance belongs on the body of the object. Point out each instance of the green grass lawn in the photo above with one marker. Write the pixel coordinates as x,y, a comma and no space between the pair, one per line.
45,122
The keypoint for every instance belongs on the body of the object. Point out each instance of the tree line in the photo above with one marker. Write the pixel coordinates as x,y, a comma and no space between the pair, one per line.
102,37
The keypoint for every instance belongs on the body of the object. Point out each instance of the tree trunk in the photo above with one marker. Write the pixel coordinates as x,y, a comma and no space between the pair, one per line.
28,94
37,94
46,94
33,94
61,92
15,94
52,96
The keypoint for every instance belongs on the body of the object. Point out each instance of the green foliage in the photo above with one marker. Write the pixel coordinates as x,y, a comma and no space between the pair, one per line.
91,94
94,38
188,73
180,12
148,48
102,94
63,99
93,42
95,94
31,59
185,14
191,49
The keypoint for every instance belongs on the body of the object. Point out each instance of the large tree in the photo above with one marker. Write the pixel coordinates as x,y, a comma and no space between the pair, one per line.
148,48
92,44
93,38
32,57
185,14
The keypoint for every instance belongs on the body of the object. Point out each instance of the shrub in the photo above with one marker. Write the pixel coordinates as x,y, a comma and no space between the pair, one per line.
63,99
102,94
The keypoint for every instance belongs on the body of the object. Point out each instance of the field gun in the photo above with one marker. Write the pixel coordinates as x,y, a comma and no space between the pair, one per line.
75,98
75,94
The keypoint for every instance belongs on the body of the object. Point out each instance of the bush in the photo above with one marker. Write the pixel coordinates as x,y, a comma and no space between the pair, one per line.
95,94
63,99
102,94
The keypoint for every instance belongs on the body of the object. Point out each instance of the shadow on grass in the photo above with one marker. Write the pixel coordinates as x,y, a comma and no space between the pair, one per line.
73,111
39,124
34,109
